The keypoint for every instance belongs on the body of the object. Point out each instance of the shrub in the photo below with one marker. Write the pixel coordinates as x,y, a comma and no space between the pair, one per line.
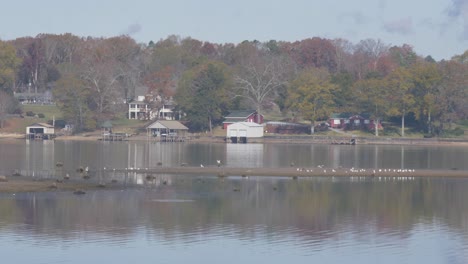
29,113
41,115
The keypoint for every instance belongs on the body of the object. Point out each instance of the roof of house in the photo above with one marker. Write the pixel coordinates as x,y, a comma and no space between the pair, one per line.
168,124
41,125
141,91
248,124
340,115
240,113
238,116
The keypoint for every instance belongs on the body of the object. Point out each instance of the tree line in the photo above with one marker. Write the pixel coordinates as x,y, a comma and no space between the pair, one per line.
92,79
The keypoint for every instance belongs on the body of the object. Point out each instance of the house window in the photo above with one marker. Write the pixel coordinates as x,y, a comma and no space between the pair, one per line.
336,121
357,121
367,121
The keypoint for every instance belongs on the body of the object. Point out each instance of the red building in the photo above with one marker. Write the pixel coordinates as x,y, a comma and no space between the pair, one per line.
242,116
352,122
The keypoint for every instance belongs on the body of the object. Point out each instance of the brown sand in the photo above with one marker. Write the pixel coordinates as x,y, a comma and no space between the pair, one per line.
23,184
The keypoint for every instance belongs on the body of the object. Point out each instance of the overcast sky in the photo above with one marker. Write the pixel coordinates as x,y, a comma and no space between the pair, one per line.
433,27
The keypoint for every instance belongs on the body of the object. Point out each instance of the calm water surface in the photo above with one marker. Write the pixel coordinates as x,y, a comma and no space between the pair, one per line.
201,219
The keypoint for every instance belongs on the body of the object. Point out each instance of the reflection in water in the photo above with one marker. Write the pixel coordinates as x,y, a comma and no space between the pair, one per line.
269,219
39,157
172,219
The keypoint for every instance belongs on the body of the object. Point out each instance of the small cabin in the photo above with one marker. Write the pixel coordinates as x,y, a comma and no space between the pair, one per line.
242,131
40,131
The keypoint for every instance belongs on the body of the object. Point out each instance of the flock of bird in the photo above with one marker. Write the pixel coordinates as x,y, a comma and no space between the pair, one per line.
372,172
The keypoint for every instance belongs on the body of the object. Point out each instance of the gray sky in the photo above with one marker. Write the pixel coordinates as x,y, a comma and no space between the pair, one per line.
433,27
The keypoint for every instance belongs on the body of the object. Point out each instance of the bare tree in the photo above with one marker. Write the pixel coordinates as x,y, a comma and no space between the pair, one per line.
373,49
258,81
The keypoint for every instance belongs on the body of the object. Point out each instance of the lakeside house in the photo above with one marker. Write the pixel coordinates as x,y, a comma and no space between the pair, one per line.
348,121
236,116
146,106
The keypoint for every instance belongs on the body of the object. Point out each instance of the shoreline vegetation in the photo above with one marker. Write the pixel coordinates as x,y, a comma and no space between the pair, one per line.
21,184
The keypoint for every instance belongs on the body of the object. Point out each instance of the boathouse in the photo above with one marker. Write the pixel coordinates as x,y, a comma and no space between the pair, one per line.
40,131
242,131
167,130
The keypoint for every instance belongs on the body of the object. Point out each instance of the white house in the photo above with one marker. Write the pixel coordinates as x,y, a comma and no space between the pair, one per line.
241,131
139,110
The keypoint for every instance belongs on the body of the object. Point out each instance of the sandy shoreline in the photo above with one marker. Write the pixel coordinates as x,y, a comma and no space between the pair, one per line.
16,184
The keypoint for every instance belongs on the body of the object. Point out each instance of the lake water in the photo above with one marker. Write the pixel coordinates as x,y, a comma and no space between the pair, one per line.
202,219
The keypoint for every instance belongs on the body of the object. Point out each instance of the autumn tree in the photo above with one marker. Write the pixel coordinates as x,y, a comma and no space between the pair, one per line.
313,52
161,87
311,95
366,57
202,95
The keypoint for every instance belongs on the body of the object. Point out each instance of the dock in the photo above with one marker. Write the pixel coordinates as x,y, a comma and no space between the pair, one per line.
113,136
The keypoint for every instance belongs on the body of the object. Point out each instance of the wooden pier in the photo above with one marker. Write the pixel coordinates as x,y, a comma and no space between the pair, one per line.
113,136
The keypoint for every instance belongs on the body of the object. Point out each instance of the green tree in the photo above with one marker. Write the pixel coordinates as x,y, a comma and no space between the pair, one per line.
73,98
311,94
371,96
426,78
9,63
344,94
452,93
400,87
202,95
463,58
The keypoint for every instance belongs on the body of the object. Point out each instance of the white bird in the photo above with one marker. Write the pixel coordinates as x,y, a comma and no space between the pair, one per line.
201,165
218,161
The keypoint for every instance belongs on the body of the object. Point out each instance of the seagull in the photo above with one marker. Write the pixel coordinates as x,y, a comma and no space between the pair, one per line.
218,161
201,165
